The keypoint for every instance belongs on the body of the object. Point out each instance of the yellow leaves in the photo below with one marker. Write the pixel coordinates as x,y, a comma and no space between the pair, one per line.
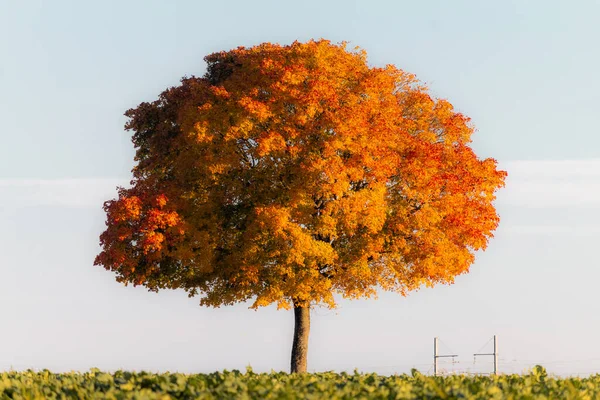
125,209
255,108
152,241
159,219
218,168
201,133
220,92
160,201
205,108
294,77
291,243
283,303
270,142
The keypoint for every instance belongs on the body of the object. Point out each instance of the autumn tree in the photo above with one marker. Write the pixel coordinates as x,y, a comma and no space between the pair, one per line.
289,174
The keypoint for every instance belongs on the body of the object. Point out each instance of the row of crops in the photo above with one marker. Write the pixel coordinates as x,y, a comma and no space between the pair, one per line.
236,385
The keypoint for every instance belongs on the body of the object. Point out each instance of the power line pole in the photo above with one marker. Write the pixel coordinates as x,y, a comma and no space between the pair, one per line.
436,356
495,354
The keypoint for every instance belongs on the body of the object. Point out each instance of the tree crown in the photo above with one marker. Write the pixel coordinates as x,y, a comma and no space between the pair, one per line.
287,174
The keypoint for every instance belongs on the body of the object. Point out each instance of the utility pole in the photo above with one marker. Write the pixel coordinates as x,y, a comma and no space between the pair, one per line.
436,356
495,354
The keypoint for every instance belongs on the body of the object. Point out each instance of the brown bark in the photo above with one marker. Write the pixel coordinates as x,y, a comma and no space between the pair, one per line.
300,345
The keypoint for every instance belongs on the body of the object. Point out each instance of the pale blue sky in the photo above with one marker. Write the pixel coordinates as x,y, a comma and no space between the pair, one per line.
525,71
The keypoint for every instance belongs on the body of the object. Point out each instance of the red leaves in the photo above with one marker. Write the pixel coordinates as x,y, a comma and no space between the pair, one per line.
138,228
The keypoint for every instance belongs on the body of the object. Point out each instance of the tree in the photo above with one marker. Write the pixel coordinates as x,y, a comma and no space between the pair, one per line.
288,174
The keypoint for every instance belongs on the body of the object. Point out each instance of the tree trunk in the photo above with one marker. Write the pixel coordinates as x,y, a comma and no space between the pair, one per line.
300,345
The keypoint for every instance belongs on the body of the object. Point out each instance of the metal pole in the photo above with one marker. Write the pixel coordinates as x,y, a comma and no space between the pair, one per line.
435,355
495,355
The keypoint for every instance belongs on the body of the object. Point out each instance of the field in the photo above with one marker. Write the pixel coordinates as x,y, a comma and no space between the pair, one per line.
237,385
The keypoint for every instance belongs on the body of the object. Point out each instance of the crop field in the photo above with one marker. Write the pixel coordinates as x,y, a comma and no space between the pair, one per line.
237,385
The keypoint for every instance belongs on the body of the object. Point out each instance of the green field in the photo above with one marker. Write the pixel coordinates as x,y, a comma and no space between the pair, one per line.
237,385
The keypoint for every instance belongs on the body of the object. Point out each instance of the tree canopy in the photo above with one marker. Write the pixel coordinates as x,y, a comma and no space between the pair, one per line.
289,174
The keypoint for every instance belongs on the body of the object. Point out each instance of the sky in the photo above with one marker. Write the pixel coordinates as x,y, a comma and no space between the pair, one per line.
526,72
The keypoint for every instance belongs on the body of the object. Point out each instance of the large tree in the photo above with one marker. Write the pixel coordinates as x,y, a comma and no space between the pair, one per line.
289,174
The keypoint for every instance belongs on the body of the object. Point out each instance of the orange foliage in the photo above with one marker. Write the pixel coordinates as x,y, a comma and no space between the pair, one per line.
291,173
